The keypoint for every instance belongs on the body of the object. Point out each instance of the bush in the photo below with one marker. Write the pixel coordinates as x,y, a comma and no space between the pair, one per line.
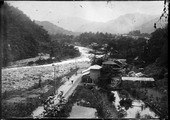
111,96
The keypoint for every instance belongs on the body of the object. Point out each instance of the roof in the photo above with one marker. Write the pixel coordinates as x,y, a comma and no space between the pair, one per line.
96,67
92,67
118,62
99,56
137,79
109,63
86,73
87,70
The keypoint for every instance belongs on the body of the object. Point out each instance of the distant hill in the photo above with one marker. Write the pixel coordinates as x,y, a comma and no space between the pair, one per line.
70,23
148,27
54,29
91,27
126,23
122,24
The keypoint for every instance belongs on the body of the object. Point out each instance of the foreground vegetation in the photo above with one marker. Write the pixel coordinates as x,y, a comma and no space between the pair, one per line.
93,98
153,94
21,103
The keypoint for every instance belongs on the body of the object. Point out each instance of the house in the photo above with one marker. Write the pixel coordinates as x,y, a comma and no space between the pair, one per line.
145,79
141,81
95,73
118,62
111,66
111,63
91,74
86,76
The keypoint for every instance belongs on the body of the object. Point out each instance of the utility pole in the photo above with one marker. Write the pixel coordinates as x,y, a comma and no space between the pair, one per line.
75,64
54,79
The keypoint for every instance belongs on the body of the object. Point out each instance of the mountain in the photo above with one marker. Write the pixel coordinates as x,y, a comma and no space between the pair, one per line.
70,23
148,27
22,38
91,27
54,29
127,22
122,24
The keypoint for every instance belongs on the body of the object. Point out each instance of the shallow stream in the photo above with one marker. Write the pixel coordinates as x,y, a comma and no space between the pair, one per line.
137,110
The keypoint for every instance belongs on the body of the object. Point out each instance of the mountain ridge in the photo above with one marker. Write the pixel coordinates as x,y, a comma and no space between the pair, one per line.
120,25
54,29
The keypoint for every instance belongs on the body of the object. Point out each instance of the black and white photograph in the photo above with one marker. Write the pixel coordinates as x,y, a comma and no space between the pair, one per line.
84,59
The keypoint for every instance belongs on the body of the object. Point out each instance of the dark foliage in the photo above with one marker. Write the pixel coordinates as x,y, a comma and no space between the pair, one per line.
111,97
117,46
126,103
22,38
146,48
157,48
61,50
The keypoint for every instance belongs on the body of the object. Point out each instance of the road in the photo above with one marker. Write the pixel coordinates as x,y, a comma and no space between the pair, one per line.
68,87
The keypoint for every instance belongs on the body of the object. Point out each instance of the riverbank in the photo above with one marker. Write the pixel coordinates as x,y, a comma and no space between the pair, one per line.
153,94
157,97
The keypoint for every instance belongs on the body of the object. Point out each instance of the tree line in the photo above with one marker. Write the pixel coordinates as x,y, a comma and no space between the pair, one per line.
143,50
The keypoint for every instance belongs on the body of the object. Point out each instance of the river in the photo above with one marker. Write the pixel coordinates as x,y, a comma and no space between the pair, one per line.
138,109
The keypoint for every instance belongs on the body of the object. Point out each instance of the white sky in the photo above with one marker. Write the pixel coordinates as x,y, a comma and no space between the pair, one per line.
99,11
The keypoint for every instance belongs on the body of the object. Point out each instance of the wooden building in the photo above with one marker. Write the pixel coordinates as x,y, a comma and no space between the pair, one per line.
95,73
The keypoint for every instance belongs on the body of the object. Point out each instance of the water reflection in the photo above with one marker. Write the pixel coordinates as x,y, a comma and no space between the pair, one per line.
128,108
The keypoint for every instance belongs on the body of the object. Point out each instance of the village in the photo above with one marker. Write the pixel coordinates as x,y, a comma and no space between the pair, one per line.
85,60
123,92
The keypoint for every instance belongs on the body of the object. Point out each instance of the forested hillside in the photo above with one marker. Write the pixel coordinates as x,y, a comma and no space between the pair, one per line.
157,48
22,37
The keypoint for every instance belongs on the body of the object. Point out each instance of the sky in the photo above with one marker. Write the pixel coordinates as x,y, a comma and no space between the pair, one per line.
98,11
